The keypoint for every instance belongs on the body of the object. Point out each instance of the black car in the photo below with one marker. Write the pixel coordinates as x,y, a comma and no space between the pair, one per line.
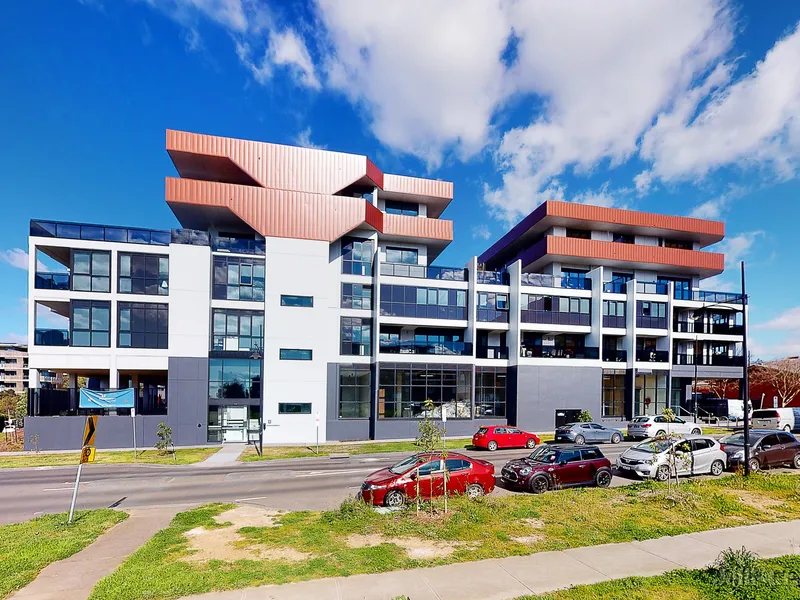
549,467
768,448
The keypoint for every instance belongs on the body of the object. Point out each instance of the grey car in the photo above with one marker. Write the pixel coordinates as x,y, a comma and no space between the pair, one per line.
581,433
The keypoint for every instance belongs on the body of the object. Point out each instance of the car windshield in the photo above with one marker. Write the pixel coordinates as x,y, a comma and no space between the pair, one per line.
404,465
654,447
765,414
544,454
737,439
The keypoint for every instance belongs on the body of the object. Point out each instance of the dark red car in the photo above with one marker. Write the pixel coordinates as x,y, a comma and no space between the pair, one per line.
552,467
493,437
392,486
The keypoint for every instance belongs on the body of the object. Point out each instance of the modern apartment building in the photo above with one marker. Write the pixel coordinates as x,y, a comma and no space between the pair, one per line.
13,367
299,299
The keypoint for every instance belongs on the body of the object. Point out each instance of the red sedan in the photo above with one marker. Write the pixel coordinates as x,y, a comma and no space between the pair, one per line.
504,436
392,486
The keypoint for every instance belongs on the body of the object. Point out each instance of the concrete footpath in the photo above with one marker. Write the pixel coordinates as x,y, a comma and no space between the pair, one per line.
506,578
227,455
75,577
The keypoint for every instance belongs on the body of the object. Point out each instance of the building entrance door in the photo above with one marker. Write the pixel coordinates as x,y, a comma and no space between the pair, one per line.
234,423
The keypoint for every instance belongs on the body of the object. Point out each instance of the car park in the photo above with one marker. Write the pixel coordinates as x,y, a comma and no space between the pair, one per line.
768,448
787,419
553,466
493,437
658,458
393,486
580,433
659,426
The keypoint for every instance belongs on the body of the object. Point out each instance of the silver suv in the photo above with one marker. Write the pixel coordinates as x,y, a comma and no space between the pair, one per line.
654,458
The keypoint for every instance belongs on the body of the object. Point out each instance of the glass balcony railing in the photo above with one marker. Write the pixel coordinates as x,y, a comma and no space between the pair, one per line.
616,286
699,327
647,322
707,296
615,321
190,237
426,347
531,351
715,360
652,287
500,352
51,337
654,356
611,355
238,246
492,277
99,233
423,272
560,281
51,281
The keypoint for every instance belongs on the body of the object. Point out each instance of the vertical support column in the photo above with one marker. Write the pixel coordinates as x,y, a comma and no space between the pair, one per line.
514,338
595,338
472,301
376,329
629,344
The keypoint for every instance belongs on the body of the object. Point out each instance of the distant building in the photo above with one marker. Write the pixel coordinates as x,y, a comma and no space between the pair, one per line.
13,367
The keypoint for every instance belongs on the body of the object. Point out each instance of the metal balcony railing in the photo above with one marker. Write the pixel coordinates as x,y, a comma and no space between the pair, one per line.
700,327
51,281
715,360
708,296
610,355
652,287
499,352
425,347
423,272
654,356
51,337
492,277
535,351
238,246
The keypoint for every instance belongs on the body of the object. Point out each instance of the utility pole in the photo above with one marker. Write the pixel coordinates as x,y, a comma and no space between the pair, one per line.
745,381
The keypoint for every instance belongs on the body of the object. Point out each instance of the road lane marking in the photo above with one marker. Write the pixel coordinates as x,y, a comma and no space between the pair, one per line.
66,489
328,473
249,499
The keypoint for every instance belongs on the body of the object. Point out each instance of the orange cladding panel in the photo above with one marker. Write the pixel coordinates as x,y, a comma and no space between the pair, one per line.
406,226
417,186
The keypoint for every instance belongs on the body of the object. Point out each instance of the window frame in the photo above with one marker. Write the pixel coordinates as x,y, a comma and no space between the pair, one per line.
350,298
351,328
399,207
282,408
162,337
256,285
74,275
91,305
251,386
146,277
356,372
256,341
352,247
285,354
304,301
410,253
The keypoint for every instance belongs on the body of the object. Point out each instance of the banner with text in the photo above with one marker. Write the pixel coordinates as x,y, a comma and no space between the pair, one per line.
107,399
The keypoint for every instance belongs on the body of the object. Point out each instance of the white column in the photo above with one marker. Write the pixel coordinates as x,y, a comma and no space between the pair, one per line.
514,337
33,378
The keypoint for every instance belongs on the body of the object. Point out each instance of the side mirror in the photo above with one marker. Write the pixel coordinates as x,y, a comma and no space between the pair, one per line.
561,463
413,475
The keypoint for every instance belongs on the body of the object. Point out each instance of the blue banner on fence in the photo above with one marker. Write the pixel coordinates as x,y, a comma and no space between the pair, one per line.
107,399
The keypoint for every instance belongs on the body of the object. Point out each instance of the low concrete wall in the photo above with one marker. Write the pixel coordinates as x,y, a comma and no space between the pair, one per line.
64,433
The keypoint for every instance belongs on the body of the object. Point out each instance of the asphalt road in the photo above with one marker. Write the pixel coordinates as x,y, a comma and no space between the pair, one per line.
294,484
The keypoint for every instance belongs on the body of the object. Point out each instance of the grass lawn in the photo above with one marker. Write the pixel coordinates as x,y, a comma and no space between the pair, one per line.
27,548
774,579
276,452
355,539
184,456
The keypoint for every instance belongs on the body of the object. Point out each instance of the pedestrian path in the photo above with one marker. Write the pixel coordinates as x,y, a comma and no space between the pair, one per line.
74,577
227,455
507,578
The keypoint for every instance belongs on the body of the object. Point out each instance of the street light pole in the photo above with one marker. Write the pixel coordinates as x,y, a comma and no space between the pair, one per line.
258,355
746,381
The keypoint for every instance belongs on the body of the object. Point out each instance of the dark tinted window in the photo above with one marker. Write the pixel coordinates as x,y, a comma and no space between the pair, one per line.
499,430
591,454
302,301
569,456
143,325
701,444
785,438
456,464
765,414
430,467
144,274
294,408
295,354
770,440
396,207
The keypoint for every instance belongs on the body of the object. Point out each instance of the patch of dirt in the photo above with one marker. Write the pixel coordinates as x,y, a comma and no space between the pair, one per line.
528,540
414,547
757,501
228,545
534,523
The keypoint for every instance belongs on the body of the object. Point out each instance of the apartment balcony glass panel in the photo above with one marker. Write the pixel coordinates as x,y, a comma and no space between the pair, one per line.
654,356
438,348
493,277
357,255
536,351
52,281
612,355
651,315
704,327
564,281
238,245
614,321
238,278
99,233
616,286
190,237
423,272
716,360
51,337
490,391
652,287
499,352
555,310
424,303
356,336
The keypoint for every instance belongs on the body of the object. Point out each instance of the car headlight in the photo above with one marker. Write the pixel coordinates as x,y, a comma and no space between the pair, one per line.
739,454
525,471
375,486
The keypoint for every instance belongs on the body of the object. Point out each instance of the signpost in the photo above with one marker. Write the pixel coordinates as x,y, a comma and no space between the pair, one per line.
317,420
87,455
133,418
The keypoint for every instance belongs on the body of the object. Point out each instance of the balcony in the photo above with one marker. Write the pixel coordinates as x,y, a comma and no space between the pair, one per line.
652,287
652,356
51,337
714,360
647,322
587,352
492,277
238,245
423,272
99,233
492,315
499,352
52,281
426,347
611,355
546,317
552,281
706,296
616,286
191,237
716,328
615,321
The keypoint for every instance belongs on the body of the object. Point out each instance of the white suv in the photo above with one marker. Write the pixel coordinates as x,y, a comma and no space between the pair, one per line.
659,425
696,455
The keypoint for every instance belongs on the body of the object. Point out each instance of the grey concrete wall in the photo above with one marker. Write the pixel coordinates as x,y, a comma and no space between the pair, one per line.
708,372
65,433
187,389
540,391
344,429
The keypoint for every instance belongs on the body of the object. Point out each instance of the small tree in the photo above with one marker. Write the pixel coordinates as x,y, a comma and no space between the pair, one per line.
164,443
677,456
722,387
429,439
585,417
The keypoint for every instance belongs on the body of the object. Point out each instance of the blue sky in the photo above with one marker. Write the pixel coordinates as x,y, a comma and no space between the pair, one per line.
678,106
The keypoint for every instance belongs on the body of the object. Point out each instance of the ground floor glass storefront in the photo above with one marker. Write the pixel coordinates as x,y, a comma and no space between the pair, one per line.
404,388
229,423
613,394
650,394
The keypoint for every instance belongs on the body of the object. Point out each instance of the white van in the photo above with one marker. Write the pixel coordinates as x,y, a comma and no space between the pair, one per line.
787,419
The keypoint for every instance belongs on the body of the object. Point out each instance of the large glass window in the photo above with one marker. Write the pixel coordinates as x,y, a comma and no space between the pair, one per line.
143,325
404,388
234,378
614,313
651,394
91,271
396,207
493,307
354,392
490,391
299,301
238,330
415,302
356,336
357,295
614,394
652,315
557,310
408,256
295,354
91,323
357,256
294,408
144,274
238,278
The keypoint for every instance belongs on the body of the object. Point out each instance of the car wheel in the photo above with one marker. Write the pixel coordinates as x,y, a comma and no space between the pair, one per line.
580,440
697,431
491,446
616,438
662,473
539,484
796,461
787,428
475,491
394,499
755,466
603,478
661,434
717,467
531,443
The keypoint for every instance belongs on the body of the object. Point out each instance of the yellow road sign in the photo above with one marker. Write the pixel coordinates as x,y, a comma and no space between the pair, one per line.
87,454
89,431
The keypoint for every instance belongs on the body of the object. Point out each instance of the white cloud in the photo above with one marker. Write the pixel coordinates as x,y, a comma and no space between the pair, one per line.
643,181
481,232
788,320
16,257
288,49
14,338
737,247
303,139
711,209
